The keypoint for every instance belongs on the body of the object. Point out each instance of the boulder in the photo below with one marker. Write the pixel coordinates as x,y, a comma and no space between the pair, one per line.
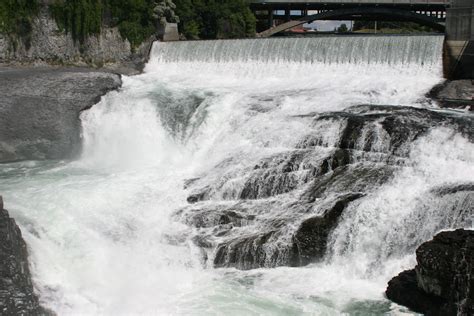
442,281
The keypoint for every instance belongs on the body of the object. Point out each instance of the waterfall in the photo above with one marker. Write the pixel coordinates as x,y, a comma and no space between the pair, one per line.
327,50
260,176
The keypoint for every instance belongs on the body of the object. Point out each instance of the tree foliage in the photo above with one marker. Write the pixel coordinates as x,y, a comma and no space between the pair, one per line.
211,19
136,19
78,17
403,27
342,28
16,17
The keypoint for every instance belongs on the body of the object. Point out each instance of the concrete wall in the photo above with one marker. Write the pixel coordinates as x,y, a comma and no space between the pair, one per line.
459,53
168,32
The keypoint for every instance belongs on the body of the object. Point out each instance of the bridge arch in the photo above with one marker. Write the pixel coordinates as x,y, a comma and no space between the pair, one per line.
353,13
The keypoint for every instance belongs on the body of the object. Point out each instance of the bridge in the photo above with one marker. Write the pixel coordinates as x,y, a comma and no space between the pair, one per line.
453,17
430,13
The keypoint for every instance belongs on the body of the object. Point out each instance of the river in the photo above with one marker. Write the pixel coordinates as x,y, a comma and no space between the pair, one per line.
196,175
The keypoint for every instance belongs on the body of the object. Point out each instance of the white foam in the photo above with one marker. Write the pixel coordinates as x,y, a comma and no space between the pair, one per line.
99,229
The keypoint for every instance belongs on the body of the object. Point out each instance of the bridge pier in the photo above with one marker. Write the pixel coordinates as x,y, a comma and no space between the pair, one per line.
270,17
459,44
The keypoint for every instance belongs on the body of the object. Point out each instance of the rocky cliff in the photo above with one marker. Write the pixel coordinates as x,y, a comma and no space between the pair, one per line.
40,107
16,290
442,282
48,44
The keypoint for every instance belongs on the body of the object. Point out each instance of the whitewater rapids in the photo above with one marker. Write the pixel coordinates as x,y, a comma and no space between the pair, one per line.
101,229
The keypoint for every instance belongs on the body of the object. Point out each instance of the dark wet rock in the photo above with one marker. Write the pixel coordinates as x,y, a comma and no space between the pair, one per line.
311,238
455,188
39,110
442,281
454,94
17,296
199,196
247,253
231,229
389,129
281,210
285,172
361,134
350,178
403,290
214,216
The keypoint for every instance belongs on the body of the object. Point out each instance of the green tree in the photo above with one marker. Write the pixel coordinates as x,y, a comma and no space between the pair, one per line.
210,19
81,18
16,18
137,20
342,28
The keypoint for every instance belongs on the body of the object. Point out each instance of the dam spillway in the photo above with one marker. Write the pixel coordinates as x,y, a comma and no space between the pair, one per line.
273,177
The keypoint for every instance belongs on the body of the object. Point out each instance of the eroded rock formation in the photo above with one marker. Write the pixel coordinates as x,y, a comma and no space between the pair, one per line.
282,210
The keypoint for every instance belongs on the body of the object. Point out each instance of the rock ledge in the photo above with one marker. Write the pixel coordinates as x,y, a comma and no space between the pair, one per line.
442,282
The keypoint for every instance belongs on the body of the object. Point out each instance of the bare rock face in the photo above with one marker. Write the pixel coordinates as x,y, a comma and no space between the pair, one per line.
16,290
442,282
39,110
50,45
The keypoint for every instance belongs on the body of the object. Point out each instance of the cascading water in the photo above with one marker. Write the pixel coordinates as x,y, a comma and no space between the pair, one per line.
229,154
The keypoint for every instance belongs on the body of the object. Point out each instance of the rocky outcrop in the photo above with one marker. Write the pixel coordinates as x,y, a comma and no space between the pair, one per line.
282,210
47,44
39,110
442,281
17,296
454,94
311,238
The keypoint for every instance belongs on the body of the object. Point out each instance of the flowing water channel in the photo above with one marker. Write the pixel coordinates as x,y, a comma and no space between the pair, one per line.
130,227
